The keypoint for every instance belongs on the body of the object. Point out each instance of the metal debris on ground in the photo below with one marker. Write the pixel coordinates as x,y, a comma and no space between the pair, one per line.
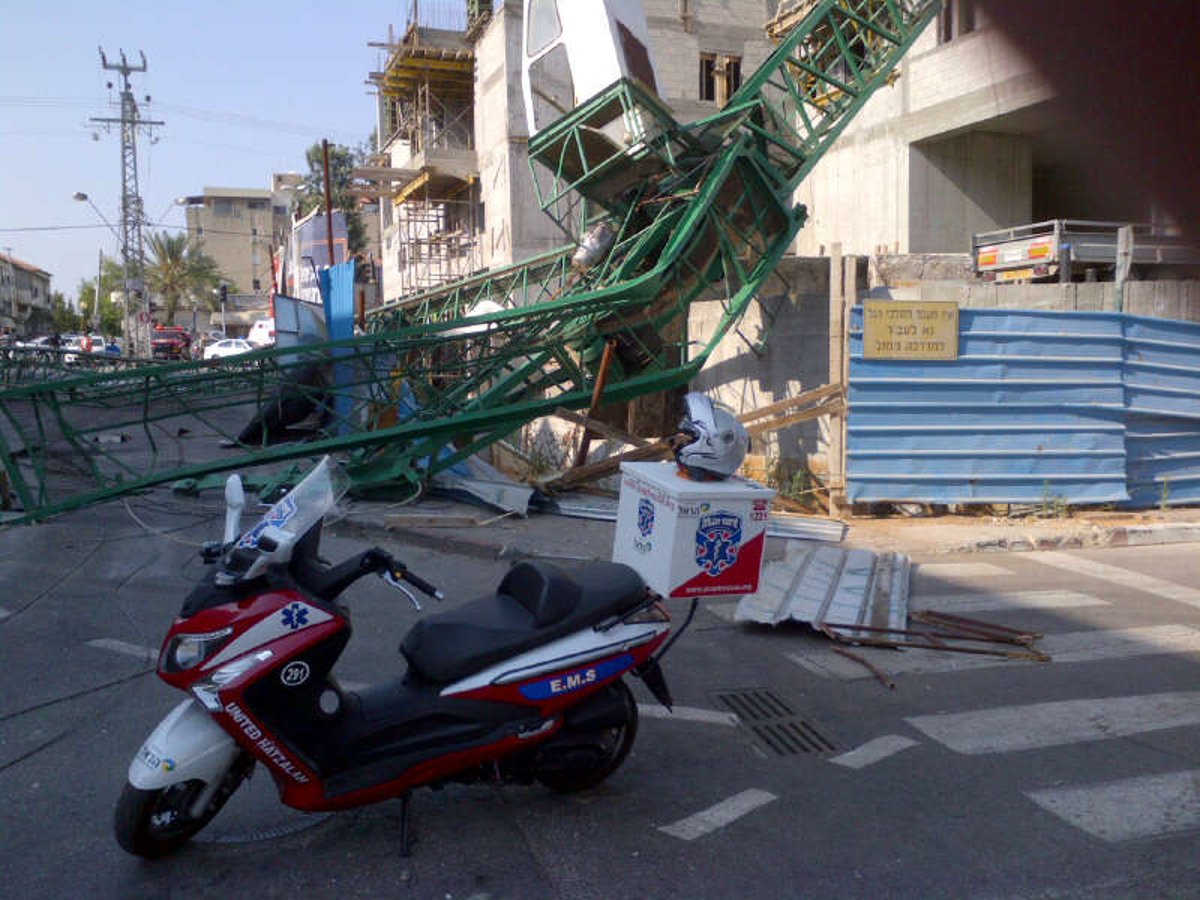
819,585
861,597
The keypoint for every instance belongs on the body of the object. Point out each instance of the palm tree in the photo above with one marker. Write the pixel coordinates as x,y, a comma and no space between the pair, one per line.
179,269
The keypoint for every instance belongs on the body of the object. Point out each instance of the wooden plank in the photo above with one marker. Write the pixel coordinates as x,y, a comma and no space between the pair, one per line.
605,467
833,407
810,396
601,428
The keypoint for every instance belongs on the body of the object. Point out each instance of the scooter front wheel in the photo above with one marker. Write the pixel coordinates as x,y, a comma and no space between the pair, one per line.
156,822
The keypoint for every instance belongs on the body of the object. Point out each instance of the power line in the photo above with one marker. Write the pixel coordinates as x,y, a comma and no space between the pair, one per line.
221,117
19,229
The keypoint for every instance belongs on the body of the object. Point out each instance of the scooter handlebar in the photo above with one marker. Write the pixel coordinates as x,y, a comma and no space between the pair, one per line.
420,584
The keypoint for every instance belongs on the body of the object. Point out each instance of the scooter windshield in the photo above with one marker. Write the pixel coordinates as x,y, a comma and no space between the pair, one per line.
303,506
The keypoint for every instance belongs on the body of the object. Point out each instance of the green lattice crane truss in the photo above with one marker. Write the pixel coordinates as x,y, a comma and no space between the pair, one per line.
698,210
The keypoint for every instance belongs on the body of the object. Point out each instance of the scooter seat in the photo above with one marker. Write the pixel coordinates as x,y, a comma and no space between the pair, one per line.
534,604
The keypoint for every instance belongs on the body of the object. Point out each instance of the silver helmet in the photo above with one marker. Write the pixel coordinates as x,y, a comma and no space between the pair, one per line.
717,442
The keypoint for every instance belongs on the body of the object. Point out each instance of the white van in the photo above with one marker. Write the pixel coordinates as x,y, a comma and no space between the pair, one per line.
262,333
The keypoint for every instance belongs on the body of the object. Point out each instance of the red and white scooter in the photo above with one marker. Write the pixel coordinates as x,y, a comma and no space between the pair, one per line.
521,685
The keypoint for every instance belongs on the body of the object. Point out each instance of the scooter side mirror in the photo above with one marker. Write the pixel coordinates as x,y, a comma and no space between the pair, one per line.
235,502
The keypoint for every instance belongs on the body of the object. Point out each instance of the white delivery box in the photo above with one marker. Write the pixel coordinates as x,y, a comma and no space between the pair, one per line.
690,538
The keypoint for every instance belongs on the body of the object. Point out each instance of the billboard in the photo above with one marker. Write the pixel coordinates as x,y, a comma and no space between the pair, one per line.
310,253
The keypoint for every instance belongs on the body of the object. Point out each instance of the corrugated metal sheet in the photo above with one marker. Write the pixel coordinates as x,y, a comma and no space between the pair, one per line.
1040,406
1162,428
831,586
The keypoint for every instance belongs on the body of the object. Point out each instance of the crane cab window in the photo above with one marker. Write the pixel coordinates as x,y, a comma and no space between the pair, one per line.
543,25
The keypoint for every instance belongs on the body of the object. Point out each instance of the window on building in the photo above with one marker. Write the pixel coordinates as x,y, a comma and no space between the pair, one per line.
720,76
257,204
956,19
223,208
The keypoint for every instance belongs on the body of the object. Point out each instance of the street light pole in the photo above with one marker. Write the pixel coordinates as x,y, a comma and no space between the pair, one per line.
126,332
96,304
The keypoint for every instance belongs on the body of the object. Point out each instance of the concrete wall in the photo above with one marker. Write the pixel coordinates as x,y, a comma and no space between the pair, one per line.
948,277
869,191
958,186
733,27
792,318
514,227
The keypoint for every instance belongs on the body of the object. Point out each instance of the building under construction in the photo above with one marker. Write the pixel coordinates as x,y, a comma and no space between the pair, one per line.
427,176
452,170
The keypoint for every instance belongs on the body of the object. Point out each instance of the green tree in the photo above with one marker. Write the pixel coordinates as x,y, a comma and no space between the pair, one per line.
112,310
179,270
311,196
63,317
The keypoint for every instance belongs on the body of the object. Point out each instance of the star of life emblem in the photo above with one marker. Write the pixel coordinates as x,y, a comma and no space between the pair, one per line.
645,517
718,537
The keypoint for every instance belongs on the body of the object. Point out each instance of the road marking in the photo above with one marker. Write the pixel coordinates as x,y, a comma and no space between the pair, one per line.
126,648
1071,647
959,570
873,751
725,812
1007,729
1014,600
1116,575
1130,809
4,613
687,713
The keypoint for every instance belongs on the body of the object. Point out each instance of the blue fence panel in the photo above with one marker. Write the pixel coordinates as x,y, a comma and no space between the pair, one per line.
1039,406
1031,411
1162,391
1164,461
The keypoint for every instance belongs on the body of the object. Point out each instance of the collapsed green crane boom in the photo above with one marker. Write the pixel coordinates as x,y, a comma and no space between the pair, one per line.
678,211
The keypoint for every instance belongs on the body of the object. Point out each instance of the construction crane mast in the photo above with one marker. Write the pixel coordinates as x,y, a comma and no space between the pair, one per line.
663,214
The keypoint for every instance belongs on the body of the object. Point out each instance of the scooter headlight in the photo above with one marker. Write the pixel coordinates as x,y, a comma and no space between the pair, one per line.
189,650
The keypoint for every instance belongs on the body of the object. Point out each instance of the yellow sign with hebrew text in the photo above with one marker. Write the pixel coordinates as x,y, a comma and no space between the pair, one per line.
903,329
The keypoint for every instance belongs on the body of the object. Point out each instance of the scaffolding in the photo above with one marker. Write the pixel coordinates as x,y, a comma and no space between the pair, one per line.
427,178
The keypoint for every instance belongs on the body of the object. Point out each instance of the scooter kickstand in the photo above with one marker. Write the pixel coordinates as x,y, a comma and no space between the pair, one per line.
407,837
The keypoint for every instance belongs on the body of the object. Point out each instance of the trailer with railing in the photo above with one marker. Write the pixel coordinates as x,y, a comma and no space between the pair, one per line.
1067,250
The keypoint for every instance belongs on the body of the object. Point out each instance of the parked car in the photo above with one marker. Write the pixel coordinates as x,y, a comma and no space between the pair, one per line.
262,333
228,347
73,346
170,342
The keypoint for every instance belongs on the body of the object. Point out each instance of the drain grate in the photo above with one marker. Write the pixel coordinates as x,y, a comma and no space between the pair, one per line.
774,723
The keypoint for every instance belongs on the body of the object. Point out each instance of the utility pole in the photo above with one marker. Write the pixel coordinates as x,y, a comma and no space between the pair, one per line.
132,216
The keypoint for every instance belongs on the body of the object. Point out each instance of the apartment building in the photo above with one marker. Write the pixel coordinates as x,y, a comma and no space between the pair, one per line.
24,295
239,228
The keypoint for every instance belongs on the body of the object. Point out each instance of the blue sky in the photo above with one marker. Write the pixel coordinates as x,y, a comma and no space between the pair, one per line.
244,88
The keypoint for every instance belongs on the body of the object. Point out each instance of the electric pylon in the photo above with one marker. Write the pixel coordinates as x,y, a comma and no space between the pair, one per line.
132,216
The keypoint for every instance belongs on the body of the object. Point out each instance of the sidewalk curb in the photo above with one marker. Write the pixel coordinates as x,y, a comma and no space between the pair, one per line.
370,527
1096,537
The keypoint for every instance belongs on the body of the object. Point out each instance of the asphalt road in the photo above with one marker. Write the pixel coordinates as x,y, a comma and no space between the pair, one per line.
972,777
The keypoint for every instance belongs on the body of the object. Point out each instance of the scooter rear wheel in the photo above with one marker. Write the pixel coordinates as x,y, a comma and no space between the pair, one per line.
153,823
604,750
